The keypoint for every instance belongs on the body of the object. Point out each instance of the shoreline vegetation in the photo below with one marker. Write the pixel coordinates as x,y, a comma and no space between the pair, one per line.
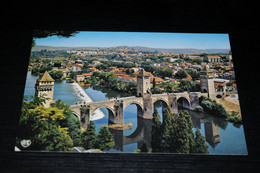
218,110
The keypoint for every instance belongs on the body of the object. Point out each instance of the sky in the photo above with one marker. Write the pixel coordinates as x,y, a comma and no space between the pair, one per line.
145,39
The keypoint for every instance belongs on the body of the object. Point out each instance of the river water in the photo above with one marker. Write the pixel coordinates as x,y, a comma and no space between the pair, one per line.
221,136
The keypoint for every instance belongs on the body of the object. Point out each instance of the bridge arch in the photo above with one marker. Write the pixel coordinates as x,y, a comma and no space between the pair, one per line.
133,102
111,112
102,106
132,112
161,99
183,102
77,114
161,107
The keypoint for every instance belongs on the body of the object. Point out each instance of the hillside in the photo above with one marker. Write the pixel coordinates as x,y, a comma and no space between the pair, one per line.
139,48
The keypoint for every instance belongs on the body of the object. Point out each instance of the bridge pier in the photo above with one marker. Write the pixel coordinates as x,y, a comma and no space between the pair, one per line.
194,101
148,107
84,117
172,100
118,118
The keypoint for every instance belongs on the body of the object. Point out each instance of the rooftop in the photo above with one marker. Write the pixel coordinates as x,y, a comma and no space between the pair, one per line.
45,77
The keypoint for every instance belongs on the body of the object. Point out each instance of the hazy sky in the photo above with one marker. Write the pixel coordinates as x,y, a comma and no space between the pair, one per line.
146,39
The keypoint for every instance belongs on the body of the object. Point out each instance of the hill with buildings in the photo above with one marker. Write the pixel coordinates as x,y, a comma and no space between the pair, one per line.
138,49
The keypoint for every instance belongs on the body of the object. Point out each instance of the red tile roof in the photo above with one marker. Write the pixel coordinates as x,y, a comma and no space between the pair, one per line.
157,79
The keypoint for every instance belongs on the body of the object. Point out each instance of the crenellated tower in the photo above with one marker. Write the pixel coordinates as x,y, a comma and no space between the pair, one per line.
45,87
207,82
143,83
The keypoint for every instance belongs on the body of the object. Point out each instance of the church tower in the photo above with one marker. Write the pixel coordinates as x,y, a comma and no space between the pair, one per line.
143,83
207,82
45,87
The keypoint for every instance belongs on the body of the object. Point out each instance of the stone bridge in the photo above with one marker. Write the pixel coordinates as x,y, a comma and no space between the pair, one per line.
144,105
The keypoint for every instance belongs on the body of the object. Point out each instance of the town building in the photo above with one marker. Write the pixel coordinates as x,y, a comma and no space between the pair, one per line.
156,79
82,77
171,59
214,58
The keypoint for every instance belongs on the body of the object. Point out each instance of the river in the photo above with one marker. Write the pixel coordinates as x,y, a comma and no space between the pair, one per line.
221,136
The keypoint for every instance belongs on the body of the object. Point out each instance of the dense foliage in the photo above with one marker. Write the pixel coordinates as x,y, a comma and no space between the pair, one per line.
117,64
45,127
57,129
110,81
182,86
55,74
103,140
50,54
214,108
41,69
157,71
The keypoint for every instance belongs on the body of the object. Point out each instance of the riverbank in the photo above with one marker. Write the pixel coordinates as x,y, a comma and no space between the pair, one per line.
231,104
98,114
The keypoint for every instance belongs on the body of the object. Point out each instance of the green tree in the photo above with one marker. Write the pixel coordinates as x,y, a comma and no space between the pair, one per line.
211,106
48,33
181,74
170,127
33,43
42,69
71,121
178,136
89,136
197,60
56,74
190,86
105,140
200,145
156,132
154,83
42,126
194,74
102,67
188,135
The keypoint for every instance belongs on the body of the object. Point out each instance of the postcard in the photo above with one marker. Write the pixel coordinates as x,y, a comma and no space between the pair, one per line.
131,92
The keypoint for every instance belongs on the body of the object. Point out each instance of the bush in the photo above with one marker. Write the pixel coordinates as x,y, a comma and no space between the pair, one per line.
211,106
233,117
199,109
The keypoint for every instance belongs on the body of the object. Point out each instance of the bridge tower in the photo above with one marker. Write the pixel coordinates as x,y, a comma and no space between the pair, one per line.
143,83
44,87
207,82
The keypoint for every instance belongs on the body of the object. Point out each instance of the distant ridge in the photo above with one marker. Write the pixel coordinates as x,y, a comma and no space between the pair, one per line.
139,48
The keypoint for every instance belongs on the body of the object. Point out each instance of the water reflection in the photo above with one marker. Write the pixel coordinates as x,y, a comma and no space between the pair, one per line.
211,126
217,132
141,135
